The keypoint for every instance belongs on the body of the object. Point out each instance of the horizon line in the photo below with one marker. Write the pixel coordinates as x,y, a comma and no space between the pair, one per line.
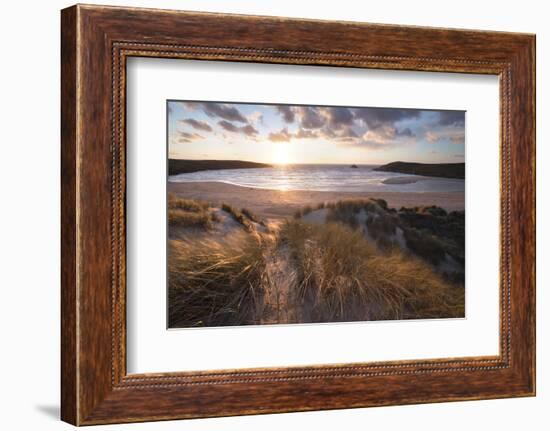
312,163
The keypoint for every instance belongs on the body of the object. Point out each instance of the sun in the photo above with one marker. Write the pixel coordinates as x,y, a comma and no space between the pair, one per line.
282,154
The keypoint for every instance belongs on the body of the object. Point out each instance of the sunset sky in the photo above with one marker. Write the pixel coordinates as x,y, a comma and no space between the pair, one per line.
313,134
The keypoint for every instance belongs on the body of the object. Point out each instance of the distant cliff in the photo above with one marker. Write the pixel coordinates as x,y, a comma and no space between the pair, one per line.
443,170
181,166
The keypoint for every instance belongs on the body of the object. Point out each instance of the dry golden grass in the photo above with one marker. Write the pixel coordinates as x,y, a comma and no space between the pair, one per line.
429,232
303,211
237,215
250,215
356,205
193,205
243,216
189,213
344,278
337,274
216,282
349,218
181,218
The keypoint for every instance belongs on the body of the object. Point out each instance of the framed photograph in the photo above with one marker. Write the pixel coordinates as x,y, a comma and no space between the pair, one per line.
267,215
312,231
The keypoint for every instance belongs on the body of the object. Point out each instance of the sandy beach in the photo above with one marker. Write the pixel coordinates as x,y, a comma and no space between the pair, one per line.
276,204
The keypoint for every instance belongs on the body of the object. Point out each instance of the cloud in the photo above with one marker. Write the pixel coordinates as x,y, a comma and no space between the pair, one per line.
407,132
452,134
313,117
200,125
218,110
186,138
343,134
325,122
386,135
362,127
375,118
377,125
346,133
339,124
452,118
230,127
306,134
282,135
458,138
310,117
337,117
247,130
287,112
255,117
432,137
447,126
380,136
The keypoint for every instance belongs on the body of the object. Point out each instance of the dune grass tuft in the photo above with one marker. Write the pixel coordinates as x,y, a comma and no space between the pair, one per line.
180,218
299,213
216,282
344,278
343,215
237,215
431,232
189,213
243,216
193,205
425,245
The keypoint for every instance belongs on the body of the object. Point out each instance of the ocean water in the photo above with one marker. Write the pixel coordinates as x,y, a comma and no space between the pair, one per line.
322,178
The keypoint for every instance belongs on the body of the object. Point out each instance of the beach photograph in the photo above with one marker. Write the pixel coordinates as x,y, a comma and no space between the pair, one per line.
303,214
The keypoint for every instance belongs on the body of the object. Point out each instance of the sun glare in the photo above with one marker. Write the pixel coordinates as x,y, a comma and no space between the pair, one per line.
281,154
